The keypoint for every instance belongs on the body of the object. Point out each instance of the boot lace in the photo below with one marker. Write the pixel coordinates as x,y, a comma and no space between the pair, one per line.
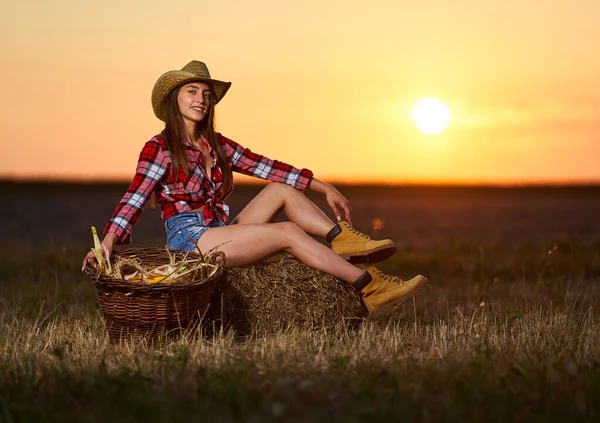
389,278
359,233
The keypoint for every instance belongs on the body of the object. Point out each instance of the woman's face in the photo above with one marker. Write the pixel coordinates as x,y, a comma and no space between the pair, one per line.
194,101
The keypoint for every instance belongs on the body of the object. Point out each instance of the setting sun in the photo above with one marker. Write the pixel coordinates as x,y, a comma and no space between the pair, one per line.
495,85
431,115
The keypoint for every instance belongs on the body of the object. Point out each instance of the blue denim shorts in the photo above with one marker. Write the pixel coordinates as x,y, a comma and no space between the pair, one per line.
181,227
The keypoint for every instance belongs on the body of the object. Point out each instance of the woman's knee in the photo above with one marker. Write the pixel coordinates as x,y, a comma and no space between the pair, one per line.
279,187
288,229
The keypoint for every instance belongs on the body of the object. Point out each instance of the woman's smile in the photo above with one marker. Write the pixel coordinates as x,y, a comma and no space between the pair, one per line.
199,109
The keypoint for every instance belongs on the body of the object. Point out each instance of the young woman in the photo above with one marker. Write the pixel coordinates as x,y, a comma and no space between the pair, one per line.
188,169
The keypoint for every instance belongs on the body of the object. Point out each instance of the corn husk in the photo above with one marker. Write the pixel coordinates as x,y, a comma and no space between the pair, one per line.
100,253
177,270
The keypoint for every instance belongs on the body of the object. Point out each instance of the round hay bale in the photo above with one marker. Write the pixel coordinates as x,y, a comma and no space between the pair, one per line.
282,293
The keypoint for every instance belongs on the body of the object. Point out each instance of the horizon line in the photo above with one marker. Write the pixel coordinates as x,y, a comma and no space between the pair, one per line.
4,179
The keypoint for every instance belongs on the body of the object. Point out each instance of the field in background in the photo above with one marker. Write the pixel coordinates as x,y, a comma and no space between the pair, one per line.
508,329
61,214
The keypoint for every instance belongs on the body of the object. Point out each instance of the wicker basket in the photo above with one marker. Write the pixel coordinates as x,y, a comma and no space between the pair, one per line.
152,311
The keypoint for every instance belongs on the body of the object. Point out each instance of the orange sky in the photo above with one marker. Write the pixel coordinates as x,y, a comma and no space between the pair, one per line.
323,85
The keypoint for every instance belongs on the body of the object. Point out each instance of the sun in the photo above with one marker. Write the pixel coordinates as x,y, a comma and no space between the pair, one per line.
431,115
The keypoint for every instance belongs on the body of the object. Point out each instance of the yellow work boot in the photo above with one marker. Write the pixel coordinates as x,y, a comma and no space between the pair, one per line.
357,247
381,293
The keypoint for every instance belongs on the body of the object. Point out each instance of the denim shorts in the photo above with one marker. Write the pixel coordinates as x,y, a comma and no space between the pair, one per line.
181,227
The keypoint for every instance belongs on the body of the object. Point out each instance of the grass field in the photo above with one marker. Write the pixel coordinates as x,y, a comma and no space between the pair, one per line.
508,329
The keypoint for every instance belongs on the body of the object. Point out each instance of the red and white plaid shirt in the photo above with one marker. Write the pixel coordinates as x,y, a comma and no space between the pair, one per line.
190,192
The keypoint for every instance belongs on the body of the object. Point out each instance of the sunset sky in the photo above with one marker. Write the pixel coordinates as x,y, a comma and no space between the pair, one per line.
327,85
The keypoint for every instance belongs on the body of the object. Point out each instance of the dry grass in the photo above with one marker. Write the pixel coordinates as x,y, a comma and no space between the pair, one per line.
529,352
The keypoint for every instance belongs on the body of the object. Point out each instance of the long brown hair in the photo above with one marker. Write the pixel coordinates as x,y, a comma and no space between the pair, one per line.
174,130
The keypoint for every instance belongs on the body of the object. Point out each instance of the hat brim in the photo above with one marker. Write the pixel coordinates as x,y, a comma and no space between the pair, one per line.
173,79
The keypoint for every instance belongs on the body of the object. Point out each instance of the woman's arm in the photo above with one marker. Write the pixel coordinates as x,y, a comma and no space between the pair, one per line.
244,161
151,167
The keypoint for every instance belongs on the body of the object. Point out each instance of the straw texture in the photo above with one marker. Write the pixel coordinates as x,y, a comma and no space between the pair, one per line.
282,293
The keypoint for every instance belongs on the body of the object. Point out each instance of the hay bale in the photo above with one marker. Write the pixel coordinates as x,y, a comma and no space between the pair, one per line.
282,293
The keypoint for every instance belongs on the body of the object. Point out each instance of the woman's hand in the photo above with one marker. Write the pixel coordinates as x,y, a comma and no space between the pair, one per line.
335,200
107,245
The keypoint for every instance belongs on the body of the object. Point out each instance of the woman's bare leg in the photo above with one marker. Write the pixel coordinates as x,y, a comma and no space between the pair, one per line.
254,242
274,198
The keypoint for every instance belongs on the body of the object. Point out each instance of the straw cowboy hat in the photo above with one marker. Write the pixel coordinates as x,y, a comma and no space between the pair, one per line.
193,71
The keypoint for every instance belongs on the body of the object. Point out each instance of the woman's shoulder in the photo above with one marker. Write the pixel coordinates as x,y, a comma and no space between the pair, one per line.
159,139
227,142
155,148
157,142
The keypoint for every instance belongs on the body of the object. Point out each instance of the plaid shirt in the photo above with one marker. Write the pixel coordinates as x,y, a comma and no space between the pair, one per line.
190,192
